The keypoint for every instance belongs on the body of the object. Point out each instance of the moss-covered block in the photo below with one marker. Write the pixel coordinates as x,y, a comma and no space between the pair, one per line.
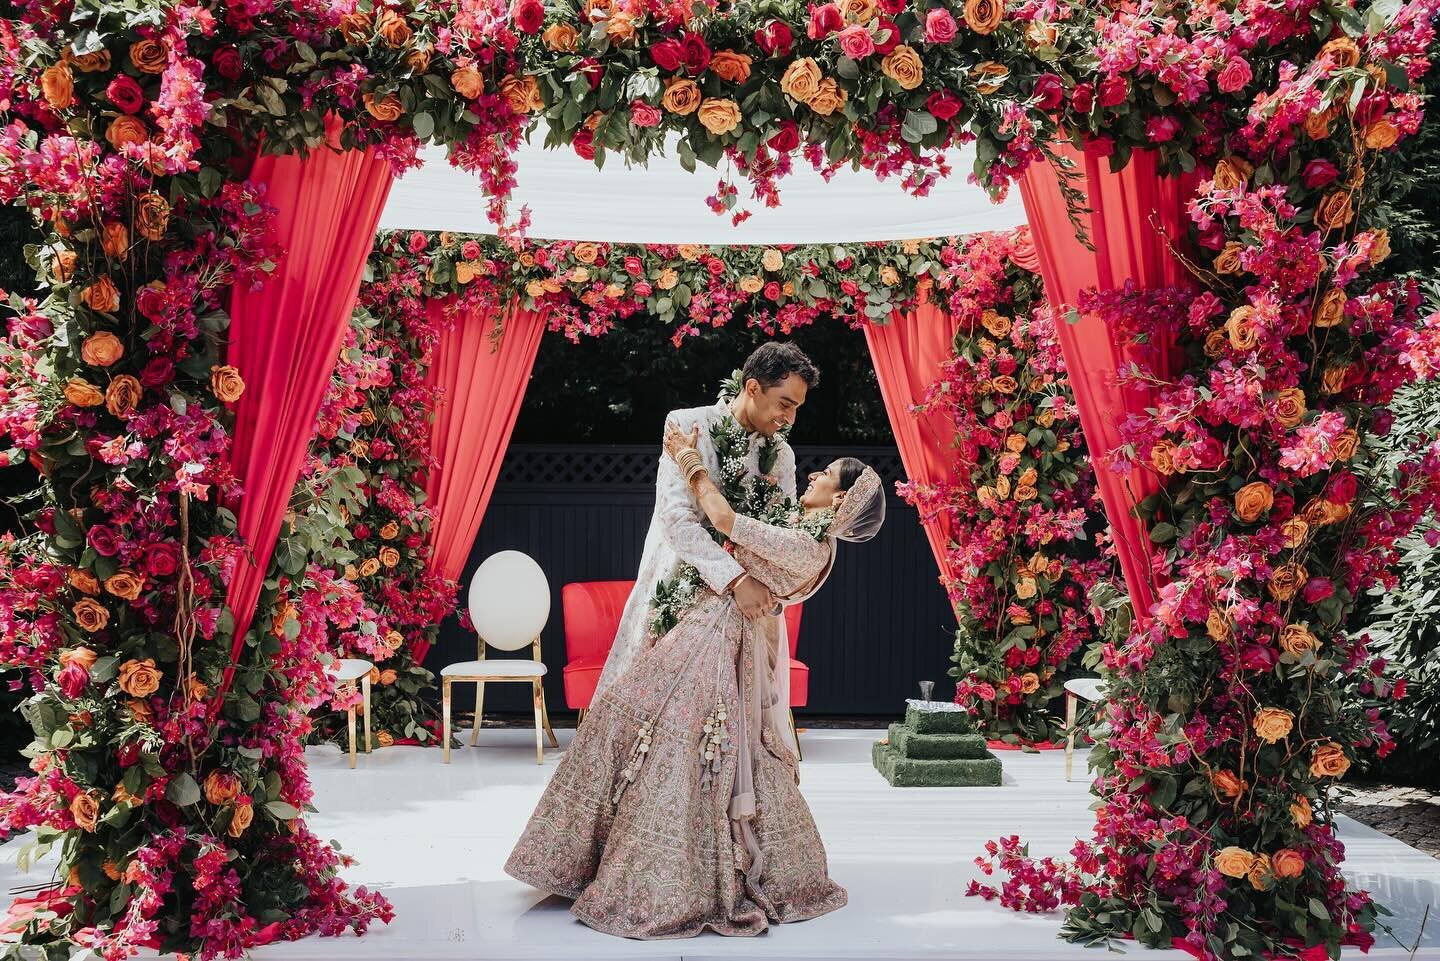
937,747
938,722
911,772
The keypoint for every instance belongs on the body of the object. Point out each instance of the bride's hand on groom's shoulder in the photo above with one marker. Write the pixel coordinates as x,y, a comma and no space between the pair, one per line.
677,440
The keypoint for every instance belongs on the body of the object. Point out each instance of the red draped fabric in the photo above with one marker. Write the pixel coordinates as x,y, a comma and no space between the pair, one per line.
908,352
1131,215
284,339
483,384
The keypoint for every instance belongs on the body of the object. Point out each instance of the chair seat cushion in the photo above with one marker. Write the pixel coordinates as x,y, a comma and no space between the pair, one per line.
499,667
581,676
350,669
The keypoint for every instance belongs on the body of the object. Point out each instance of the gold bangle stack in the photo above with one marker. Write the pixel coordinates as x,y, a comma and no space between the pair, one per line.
691,464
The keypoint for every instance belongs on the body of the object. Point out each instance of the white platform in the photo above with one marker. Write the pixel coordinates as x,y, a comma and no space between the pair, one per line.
434,838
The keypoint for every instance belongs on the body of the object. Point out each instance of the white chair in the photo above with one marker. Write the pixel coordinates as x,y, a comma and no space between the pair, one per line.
509,605
347,671
1089,688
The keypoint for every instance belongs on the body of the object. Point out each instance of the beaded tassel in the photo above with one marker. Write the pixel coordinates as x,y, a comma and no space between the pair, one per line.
713,743
638,751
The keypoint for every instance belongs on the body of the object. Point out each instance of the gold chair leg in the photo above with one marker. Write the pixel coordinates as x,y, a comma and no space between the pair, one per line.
365,686
1070,702
545,716
799,754
539,733
479,712
350,716
445,716
580,719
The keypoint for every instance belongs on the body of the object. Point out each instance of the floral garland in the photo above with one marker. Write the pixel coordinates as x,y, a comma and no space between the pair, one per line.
1020,498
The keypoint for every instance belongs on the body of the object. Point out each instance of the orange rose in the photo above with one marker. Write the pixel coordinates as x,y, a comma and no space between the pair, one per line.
1301,813
221,787
668,279
126,129
387,109
196,688
1215,342
1234,862
148,56
114,240
1290,407
1252,500
1026,492
85,809
139,678
1295,530
369,567
1005,384
620,28
889,276
390,531
240,819
1040,34
1380,247
561,37
88,62
801,79
1259,873
83,656
418,60
1342,51
1002,486
355,27
123,395
586,252
388,676
1329,760
226,383
1029,478
152,216
1228,260
91,615
1243,333
1015,443
1162,457
125,584
141,710
384,738
111,869
990,76
1029,683
84,581
1228,784
829,97
1217,625
389,556
1332,381
1335,211
752,283
1026,588
523,94
998,324
983,16
858,11
57,85
1287,863
102,295
394,640
1317,125
1346,445
62,265
393,29
681,96
1273,724
690,252
730,66
1286,580
1331,312
904,67
81,393
1232,173
1381,135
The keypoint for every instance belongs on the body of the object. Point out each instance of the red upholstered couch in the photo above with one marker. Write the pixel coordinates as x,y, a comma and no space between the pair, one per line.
592,615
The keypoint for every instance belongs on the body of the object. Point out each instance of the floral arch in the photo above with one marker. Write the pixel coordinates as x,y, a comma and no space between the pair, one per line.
175,157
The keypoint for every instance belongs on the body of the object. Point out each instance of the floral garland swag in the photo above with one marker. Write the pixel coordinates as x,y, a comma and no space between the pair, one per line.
1018,569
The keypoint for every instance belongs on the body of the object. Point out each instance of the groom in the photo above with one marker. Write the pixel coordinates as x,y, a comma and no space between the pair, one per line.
774,382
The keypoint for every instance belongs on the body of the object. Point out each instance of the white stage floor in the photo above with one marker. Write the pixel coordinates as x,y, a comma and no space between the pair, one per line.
433,839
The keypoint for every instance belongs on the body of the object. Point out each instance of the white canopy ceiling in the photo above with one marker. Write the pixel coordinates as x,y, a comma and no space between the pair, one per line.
571,200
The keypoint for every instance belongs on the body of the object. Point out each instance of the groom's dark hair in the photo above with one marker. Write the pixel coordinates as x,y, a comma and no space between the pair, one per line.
772,362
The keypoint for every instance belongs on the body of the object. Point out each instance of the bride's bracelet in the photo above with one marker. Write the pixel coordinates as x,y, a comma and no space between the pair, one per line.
691,464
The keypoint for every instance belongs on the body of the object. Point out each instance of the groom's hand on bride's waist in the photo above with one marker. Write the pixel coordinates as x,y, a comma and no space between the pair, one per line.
753,598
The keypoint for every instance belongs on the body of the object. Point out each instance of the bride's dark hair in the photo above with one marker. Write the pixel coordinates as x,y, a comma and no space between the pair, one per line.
850,470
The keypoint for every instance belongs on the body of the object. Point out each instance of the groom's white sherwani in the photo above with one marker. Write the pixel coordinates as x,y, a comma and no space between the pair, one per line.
677,535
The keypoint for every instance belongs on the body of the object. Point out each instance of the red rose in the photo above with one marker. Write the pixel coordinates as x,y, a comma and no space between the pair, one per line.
229,63
158,372
529,15
470,250
589,68
845,263
1283,508
1256,657
667,54
716,266
418,242
786,139
1049,91
125,94
1162,129
643,114
1319,172
775,39
1104,146
162,560
894,7
361,531
1113,91
1317,589
887,37
643,289
1082,98
634,266
824,20
150,301
104,540
697,54
944,105
772,290
849,288
1342,488
584,144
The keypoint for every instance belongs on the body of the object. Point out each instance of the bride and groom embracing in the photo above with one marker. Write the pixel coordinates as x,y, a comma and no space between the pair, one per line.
676,808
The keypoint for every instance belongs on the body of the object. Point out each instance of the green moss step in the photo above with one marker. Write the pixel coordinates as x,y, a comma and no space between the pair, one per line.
937,747
938,722
909,772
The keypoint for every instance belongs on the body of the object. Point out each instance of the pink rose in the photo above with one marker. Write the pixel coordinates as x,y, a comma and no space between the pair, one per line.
529,15
940,27
1113,91
667,54
1162,129
104,540
944,105
634,266
849,288
824,20
772,290
470,250
775,39
1235,76
643,289
643,114
73,680
985,692
1256,657
855,42
1049,91
418,242
1319,172
786,139
125,94
697,54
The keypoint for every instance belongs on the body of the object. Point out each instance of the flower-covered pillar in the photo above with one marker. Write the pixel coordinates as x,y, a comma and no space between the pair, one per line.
1133,218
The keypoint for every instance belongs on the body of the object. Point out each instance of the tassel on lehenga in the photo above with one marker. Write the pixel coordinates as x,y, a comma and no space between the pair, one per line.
638,751
713,743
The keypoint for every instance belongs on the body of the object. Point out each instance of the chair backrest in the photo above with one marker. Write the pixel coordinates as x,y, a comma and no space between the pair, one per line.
592,616
792,625
509,602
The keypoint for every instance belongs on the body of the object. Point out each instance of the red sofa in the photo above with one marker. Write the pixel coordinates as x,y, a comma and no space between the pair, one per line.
592,615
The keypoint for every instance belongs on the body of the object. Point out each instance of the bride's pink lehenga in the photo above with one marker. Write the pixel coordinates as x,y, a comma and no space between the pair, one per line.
687,845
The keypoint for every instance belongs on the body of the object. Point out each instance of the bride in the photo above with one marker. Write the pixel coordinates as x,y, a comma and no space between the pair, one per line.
675,809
